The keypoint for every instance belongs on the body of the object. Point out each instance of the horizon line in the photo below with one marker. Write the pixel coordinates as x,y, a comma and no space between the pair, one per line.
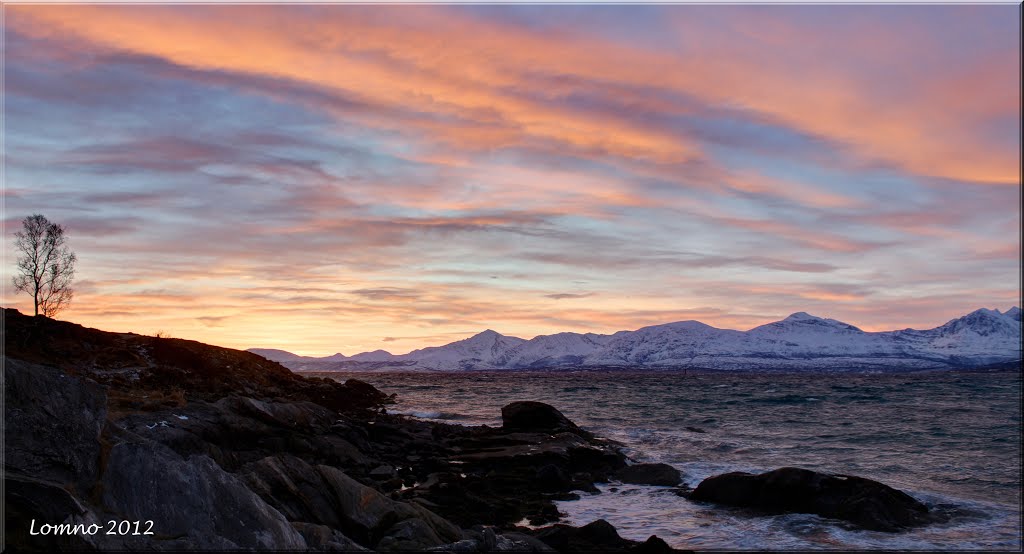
470,335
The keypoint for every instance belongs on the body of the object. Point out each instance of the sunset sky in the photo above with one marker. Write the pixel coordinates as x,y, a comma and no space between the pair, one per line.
348,178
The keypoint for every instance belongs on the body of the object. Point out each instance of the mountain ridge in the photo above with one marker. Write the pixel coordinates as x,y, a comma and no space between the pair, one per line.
799,341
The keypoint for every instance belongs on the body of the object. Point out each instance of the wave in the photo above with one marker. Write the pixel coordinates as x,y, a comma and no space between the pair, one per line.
430,414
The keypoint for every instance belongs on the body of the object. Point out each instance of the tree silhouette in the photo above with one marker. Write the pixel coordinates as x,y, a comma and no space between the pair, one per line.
47,265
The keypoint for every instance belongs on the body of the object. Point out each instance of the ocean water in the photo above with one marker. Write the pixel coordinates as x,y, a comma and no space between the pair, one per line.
951,440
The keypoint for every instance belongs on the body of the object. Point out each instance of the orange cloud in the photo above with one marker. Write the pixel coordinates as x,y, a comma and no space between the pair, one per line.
596,118
441,61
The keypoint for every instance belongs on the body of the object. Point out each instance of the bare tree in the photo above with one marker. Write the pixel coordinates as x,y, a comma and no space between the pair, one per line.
47,265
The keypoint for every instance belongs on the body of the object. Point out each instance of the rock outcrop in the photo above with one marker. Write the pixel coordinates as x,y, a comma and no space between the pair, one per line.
223,449
861,501
649,474
535,416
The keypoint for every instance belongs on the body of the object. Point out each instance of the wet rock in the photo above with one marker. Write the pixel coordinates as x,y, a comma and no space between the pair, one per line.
192,498
649,474
535,416
867,503
506,542
597,536
654,545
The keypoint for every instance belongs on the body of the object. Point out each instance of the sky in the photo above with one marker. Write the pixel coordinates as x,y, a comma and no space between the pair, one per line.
343,178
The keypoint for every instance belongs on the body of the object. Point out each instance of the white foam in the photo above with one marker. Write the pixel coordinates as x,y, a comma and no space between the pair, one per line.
640,511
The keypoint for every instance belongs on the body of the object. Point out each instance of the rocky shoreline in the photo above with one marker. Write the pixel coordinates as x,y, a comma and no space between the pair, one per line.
223,449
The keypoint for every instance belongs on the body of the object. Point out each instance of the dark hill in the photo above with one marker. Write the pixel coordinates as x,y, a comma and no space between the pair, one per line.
143,371
223,449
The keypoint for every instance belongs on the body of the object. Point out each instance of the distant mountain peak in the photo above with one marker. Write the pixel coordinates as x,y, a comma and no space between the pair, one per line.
804,319
688,325
801,340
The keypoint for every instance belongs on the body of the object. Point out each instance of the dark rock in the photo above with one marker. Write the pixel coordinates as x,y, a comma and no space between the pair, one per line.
596,536
550,477
409,534
295,488
382,472
649,474
598,532
372,513
532,543
490,540
321,537
535,416
193,498
224,449
26,500
867,503
52,424
284,414
325,495
654,545
465,545
362,389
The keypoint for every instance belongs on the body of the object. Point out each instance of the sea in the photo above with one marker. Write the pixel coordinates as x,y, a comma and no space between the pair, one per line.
952,440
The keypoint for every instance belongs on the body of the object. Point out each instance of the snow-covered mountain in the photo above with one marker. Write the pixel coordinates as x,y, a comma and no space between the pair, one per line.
800,341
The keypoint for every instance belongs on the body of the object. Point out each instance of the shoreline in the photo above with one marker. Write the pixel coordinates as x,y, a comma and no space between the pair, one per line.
316,464
104,426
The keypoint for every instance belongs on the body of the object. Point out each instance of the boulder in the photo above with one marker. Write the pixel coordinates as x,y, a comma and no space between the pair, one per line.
595,536
535,416
598,536
654,545
649,474
191,498
861,501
